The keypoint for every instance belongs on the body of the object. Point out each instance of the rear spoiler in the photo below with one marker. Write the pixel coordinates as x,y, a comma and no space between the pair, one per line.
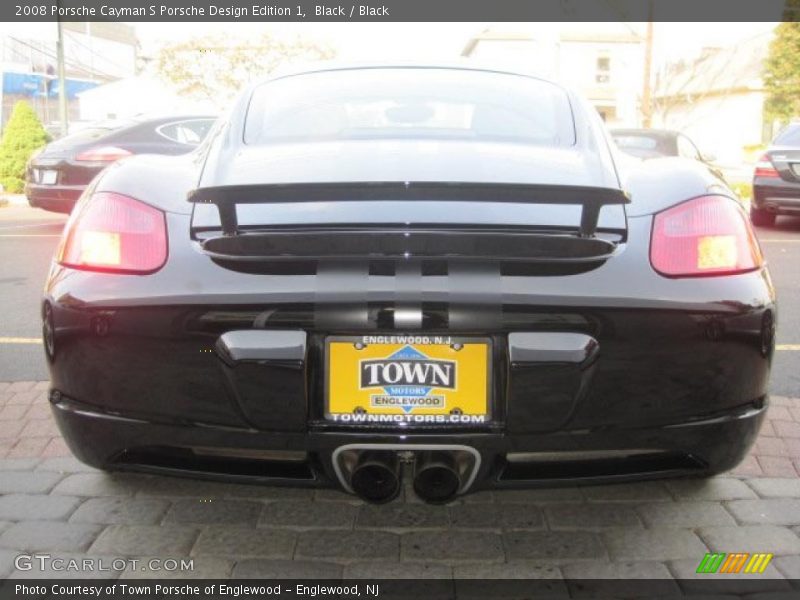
226,198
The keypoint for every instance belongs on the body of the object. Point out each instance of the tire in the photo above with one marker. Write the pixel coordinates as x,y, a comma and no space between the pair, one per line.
762,218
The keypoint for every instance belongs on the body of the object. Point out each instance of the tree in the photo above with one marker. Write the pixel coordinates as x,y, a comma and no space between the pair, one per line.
24,134
218,68
782,73
688,90
689,82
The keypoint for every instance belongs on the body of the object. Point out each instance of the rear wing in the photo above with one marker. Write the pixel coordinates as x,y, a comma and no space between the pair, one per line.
227,198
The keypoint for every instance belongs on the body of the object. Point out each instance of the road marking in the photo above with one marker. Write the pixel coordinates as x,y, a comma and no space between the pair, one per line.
29,225
790,347
28,235
20,340
780,241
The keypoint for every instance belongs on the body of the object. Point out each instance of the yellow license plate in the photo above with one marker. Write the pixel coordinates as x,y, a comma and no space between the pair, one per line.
408,380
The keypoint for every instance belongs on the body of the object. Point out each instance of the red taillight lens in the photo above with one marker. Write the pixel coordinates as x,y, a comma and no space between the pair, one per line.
115,233
765,168
706,236
103,154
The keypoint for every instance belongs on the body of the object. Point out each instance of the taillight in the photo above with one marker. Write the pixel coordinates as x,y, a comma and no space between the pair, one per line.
710,235
114,233
765,168
103,154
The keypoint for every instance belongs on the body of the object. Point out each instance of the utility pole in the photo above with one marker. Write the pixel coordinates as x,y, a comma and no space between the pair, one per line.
62,80
647,102
2,76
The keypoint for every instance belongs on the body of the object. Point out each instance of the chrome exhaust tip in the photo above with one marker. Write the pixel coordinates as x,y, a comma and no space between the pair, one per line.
376,477
436,477
441,471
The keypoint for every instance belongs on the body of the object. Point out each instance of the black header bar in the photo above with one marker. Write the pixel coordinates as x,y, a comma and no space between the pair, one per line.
400,10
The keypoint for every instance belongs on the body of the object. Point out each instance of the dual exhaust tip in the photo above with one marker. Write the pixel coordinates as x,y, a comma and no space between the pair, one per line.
377,476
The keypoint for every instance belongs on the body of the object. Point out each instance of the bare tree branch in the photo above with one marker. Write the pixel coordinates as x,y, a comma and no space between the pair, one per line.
216,69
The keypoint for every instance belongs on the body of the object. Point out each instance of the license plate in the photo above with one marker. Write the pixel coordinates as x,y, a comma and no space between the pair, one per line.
46,176
408,380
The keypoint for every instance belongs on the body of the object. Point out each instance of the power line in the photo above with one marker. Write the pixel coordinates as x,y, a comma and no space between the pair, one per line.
50,55
107,60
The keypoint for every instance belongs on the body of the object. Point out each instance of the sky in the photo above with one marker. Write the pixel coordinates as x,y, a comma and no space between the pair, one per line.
443,41
428,41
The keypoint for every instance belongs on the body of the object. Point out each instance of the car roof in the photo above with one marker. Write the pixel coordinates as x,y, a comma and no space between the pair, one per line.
138,120
789,128
454,65
141,119
660,133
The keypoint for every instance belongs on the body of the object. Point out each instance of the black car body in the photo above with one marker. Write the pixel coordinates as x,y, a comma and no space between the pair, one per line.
435,265
776,179
660,143
56,176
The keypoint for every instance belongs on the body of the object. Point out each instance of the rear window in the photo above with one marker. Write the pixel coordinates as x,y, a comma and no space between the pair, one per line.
403,103
91,133
190,131
789,136
641,146
638,142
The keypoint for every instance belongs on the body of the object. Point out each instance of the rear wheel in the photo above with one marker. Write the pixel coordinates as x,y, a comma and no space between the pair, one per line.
762,218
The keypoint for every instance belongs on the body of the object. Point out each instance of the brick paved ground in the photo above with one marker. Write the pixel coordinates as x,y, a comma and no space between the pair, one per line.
51,503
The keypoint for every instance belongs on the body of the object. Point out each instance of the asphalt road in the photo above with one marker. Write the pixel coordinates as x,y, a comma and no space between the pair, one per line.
781,245
28,238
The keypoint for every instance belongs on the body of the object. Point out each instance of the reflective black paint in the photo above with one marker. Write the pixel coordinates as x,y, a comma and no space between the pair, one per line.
672,353
680,367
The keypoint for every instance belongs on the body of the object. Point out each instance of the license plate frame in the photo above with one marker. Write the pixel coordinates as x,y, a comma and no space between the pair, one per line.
46,176
352,396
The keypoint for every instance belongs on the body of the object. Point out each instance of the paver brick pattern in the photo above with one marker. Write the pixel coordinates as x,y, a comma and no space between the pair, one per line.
51,502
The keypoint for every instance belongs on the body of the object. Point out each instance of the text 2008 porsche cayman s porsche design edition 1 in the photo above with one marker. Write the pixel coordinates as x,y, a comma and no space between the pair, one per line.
445,272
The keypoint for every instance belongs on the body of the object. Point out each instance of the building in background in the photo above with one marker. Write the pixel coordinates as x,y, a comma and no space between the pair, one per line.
717,99
95,53
604,61
136,96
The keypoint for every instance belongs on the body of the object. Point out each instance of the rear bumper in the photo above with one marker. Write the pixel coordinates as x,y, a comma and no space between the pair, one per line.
697,447
679,379
55,198
776,196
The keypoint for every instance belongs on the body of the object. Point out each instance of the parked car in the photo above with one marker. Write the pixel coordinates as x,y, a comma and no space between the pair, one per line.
658,143
366,267
776,179
58,174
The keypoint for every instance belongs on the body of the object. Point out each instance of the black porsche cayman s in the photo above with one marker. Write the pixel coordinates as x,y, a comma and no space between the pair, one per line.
446,272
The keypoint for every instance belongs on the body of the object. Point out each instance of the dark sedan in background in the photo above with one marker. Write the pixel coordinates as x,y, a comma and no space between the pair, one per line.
659,143
57,176
448,268
776,179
